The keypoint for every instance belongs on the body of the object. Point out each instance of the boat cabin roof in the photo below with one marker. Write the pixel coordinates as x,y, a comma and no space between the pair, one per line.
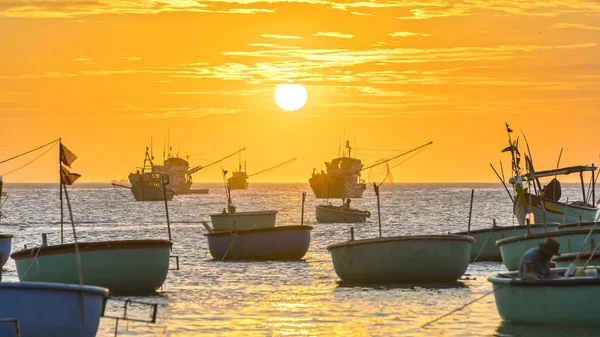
343,163
560,171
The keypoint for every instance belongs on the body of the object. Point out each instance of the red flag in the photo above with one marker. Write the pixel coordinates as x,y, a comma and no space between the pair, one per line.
68,178
66,157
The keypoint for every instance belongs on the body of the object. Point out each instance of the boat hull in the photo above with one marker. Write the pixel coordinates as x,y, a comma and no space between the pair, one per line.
554,210
403,259
485,249
283,243
578,225
238,181
145,192
332,214
124,267
243,220
566,259
563,301
513,249
335,187
5,246
51,310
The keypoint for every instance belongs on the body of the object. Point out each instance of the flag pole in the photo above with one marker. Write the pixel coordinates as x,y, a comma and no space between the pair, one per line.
60,155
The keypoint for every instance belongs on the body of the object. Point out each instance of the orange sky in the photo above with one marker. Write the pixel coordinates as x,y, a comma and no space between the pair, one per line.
106,76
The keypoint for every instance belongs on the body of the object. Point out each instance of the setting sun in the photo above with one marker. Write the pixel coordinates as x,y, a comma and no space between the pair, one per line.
290,97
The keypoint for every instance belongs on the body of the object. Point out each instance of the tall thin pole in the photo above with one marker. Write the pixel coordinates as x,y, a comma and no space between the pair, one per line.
164,188
378,206
62,239
470,212
303,199
582,187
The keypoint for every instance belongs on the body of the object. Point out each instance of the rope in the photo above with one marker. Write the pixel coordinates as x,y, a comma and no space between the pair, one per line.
34,159
24,153
484,242
34,261
461,307
230,245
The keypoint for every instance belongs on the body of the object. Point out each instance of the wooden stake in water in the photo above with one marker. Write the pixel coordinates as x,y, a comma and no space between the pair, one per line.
470,212
303,199
378,206
164,187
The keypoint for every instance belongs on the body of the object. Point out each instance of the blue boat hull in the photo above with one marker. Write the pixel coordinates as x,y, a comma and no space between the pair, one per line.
283,243
5,245
51,310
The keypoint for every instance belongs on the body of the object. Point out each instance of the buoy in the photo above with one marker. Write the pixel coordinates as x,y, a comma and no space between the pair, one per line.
591,271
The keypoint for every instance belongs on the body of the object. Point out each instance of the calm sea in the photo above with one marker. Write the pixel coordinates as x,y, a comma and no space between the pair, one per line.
208,298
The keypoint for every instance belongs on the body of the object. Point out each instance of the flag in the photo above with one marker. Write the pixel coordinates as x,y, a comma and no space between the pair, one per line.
67,177
66,157
508,128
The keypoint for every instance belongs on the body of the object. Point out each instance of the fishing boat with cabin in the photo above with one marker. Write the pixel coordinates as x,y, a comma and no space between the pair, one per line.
126,267
147,185
563,300
265,243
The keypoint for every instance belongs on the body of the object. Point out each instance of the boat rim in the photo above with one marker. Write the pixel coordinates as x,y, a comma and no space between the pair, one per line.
258,230
349,211
6,236
89,247
543,235
502,228
572,256
579,224
451,237
508,279
56,286
245,213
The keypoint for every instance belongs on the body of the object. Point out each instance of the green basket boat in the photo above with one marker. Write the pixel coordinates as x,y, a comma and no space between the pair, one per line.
402,259
571,241
564,260
129,267
579,225
562,301
485,249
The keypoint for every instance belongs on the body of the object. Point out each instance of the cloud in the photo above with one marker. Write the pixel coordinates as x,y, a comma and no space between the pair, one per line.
287,37
165,113
574,25
406,34
82,59
131,58
334,34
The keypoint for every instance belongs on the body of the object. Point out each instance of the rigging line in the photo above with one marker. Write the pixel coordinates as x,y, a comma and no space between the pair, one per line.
24,153
34,159
272,167
398,156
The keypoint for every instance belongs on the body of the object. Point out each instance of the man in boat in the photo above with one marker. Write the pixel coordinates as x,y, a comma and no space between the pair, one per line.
346,205
536,261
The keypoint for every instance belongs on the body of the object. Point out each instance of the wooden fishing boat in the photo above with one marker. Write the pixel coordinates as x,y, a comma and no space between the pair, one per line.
571,241
125,267
402,259
5,247
562,301
50,309
239,178
340,214
148,185
564,260
485,249
281,243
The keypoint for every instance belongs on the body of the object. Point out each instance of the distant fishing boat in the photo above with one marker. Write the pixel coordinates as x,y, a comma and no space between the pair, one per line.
147,185
401,259
571,241
340,214
126,267
180,173
239,178
50,309
231,219
342,180
563,301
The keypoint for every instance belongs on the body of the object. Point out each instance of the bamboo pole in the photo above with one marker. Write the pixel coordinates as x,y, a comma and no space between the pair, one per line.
303,199
470,212
164,188
378,207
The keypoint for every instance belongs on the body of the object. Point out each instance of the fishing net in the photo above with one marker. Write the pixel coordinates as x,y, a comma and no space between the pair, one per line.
380,173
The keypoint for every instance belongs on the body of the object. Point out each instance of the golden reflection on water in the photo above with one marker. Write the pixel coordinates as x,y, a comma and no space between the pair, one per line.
213,298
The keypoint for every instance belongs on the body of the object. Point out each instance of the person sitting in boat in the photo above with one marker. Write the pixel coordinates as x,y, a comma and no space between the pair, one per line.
346,204
536,261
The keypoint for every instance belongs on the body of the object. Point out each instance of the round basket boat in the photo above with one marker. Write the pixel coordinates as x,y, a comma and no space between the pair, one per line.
125,267
5,245
402,259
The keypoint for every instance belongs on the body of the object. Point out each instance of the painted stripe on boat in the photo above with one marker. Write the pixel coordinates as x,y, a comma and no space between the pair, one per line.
259,230
460,238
